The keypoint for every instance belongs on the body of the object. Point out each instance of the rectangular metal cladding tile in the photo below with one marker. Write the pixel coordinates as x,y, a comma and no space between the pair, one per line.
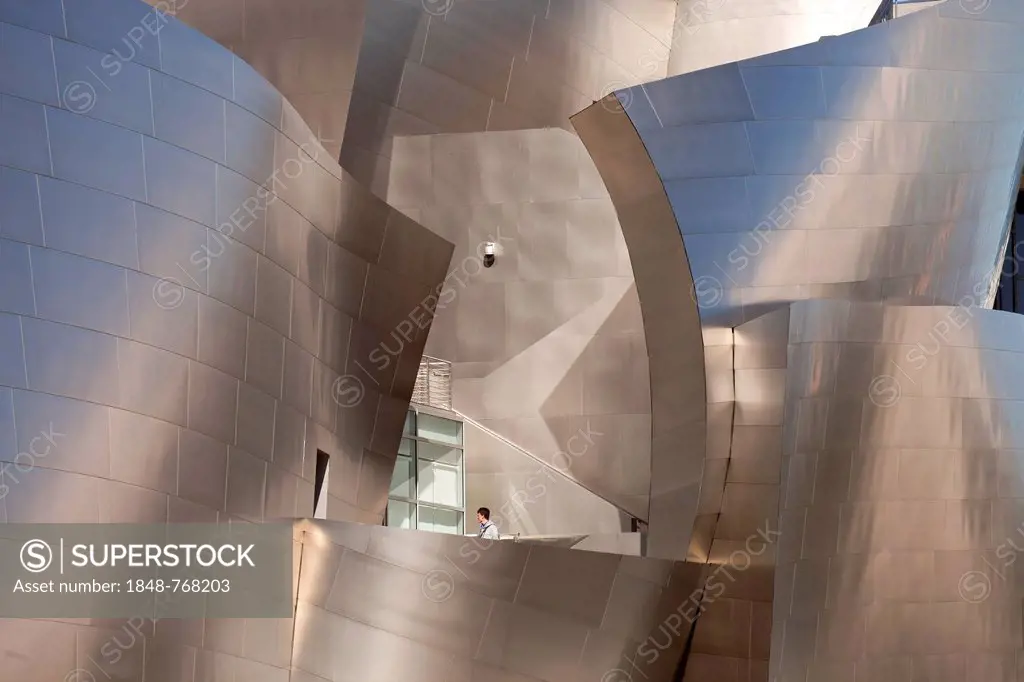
95,83
153,381
88,222
80,291
97,154
34,78
65,360
189,117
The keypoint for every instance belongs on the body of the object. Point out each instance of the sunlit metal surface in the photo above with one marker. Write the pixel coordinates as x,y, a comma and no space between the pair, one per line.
307,49
547,345
197,374
458,118
377,604
438,608
185,292
810,173
879,165
901,505
713,32
462,66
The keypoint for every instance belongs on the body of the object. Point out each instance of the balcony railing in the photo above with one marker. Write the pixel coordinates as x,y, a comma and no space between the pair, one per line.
433,384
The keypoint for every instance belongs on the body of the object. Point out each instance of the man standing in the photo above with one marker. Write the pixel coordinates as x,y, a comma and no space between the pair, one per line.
488,531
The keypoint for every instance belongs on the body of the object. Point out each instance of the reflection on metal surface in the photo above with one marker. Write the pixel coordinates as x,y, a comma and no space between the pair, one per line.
195,300
498,65
1010,295
901,502
458,118
878,165
713,32
306,49
192,289
439,608
827,187
549,340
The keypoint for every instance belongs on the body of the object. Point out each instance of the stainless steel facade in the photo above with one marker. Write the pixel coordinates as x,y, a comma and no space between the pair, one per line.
437,608
307,49
193,289
714,32
878,165
819,151
901,504
830,417
491,75
193,362
547,345
381,604
461,66
459,118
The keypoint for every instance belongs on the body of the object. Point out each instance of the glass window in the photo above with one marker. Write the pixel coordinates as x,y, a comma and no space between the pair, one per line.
439,453
428,480
441,430
440,520
402,478
401,514
439,483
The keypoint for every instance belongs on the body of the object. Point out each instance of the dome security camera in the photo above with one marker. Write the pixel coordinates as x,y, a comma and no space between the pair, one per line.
488,254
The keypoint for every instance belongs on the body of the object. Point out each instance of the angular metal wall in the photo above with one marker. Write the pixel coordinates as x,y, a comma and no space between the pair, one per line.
447,123
548,343
186,293
674,344
529,496
459,66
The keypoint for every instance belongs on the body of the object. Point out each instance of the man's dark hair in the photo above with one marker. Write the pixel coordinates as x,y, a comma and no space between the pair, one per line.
485,512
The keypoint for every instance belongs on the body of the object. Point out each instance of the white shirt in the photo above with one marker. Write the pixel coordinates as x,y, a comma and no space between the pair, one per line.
488,531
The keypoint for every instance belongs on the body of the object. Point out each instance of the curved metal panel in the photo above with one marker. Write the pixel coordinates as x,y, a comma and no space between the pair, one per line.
713,32
203,299
671,324
305,48
843,169
901,502
462,66
437,608
199,300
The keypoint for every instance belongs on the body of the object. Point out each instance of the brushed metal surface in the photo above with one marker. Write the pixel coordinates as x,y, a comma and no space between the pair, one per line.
778,215
903,501
462,66
812,173
200,388
142,302
305,49
547,345
763,195
712,32
459,118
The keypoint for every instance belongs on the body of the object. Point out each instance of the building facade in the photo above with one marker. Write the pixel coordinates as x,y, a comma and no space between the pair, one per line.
735,358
